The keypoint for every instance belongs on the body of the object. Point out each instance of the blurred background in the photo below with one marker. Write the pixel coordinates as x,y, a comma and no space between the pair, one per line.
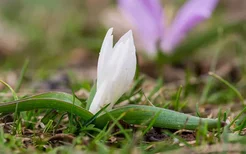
64,37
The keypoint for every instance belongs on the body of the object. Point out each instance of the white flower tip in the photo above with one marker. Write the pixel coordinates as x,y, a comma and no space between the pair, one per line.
110,31
129,38
129,34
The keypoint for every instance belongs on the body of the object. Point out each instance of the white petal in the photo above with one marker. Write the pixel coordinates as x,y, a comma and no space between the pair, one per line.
125,70
99,99
104,55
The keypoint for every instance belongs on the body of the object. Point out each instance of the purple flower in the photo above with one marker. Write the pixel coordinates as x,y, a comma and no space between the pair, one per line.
148,18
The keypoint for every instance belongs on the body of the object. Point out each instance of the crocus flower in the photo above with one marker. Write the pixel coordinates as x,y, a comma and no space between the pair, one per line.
116,70
148,18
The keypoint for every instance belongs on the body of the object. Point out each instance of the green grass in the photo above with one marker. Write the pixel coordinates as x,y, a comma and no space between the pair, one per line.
56,131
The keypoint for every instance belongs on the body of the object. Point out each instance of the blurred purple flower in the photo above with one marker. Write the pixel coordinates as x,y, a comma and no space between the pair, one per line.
148,18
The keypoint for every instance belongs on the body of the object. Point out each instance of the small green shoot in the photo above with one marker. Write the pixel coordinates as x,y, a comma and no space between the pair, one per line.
92,94
177,101
23,72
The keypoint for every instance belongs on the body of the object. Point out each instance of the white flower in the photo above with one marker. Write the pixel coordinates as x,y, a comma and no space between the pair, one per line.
116,70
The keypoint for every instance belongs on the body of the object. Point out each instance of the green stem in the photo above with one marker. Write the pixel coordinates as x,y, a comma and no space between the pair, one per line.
133,114
45,103
139,114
